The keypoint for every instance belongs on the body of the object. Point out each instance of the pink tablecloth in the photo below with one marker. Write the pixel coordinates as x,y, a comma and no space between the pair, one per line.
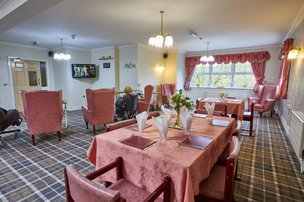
234,106
147,168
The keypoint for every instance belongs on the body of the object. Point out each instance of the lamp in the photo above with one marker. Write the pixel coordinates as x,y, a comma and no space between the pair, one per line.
163,39
293,53
160,68
62,54
207,58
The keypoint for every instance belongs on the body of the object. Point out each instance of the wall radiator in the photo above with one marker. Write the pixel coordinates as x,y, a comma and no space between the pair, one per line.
296,135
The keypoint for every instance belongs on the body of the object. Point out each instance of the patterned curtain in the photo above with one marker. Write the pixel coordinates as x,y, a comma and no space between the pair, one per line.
257,60
285,68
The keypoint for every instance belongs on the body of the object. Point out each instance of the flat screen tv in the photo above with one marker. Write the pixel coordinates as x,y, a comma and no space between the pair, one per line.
83,70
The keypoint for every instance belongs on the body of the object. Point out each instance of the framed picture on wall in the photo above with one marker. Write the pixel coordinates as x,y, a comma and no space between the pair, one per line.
107,65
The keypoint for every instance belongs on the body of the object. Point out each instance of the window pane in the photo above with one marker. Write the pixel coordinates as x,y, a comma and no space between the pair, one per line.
244,81
43,74
221,68
200,80
200,68
243,67
32,78
221,81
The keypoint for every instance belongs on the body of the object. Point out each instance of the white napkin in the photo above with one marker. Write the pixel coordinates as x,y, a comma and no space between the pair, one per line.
186,118
162,123
167,112
141,120
209,108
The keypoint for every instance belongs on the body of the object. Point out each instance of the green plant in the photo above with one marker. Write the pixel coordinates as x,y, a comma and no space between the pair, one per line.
178,100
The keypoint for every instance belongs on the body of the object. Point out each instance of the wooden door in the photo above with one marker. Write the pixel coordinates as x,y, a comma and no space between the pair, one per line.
26,76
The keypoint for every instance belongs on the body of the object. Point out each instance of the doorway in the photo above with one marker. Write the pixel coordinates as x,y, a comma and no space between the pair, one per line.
28,75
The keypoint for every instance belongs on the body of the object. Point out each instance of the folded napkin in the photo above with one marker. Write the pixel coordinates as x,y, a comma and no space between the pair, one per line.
162,123
141,120
167,112
210,109
186,118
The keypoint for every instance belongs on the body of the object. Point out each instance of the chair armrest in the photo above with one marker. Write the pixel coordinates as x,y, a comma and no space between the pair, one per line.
164,187
117,163
270,100
269,105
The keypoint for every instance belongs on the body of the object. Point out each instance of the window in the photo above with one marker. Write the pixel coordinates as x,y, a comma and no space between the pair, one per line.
232,75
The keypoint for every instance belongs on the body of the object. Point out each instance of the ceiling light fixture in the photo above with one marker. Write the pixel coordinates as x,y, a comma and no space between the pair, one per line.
62,54
163,39
207,58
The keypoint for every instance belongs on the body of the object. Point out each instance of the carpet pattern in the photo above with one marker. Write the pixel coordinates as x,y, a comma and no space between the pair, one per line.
267,165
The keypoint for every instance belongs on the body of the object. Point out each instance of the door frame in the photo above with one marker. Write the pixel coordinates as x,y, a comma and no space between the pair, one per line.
48,80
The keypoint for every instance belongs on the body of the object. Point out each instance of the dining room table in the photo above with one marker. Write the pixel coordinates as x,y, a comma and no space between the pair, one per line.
187,166
234,106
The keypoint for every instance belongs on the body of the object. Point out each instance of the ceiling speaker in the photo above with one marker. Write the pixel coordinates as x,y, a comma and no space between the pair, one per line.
165,55
51,54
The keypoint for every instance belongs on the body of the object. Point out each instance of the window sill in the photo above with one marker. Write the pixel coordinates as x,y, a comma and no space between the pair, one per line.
228,88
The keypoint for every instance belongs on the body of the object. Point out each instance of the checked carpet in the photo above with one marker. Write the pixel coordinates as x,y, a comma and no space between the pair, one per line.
268,166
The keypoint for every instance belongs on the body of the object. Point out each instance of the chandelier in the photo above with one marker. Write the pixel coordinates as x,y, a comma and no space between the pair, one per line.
62,54
163,39
207,58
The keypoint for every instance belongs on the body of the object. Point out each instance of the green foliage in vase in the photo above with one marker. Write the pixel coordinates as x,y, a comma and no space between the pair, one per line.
178,100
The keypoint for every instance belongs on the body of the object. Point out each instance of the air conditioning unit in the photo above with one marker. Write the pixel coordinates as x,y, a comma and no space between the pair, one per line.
296,135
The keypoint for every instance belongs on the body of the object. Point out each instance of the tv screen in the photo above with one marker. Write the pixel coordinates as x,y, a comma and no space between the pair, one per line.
83,70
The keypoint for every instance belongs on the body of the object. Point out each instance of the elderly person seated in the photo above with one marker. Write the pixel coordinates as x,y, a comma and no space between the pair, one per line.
126,106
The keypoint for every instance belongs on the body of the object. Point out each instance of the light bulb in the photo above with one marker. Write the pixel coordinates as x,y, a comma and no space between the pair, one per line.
168,41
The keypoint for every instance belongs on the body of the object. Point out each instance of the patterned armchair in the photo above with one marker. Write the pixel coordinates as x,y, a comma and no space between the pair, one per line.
100,109
166,91
257,97
42,111
267,101
144,104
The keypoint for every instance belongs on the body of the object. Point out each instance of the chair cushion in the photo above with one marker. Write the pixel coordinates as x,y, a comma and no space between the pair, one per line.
214,186
130,191
258,106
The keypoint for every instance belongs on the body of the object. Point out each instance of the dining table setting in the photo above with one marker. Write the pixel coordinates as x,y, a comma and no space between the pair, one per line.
149,155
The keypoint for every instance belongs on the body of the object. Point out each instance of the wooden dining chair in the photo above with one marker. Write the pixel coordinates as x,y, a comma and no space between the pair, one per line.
248,116
220,183
80,188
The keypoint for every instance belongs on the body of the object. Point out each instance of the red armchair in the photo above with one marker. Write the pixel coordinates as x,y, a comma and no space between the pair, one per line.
267,101
257,97
100,109
42,112
166,91
144,104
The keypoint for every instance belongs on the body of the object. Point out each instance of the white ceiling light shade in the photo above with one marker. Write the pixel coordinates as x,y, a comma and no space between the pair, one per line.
163,39
62,54
207,58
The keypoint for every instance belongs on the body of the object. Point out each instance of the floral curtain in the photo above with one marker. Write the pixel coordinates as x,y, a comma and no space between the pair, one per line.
285,68
257,60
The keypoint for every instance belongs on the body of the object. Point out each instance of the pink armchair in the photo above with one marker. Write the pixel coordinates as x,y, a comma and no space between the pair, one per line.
257,97
42,112
267,101
166,91
100,109
144,104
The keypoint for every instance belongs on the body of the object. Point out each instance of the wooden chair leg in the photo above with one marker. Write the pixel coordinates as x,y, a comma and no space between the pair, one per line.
94,129
59,135
271,113
33,140
87,125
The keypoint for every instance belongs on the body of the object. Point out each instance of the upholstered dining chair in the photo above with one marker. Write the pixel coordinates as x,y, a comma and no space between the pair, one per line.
166,91
220,183
144,104
80,188
43,112
100,107
248,116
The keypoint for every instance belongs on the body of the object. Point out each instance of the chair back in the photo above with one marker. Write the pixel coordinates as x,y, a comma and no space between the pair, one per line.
79,188
260,91
237,130
269,92
220,108
42,110
101,103
120,124
231,163
167,90
148,93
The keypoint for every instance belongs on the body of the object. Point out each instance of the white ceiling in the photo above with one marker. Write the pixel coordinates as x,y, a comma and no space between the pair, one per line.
102,23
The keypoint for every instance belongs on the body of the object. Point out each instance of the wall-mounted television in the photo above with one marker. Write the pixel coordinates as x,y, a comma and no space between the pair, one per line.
83,70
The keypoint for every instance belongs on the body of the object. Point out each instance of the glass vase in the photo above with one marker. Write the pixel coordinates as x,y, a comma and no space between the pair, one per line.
178,122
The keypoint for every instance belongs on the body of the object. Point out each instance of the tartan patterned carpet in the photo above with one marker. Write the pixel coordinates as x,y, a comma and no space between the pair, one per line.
267,165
